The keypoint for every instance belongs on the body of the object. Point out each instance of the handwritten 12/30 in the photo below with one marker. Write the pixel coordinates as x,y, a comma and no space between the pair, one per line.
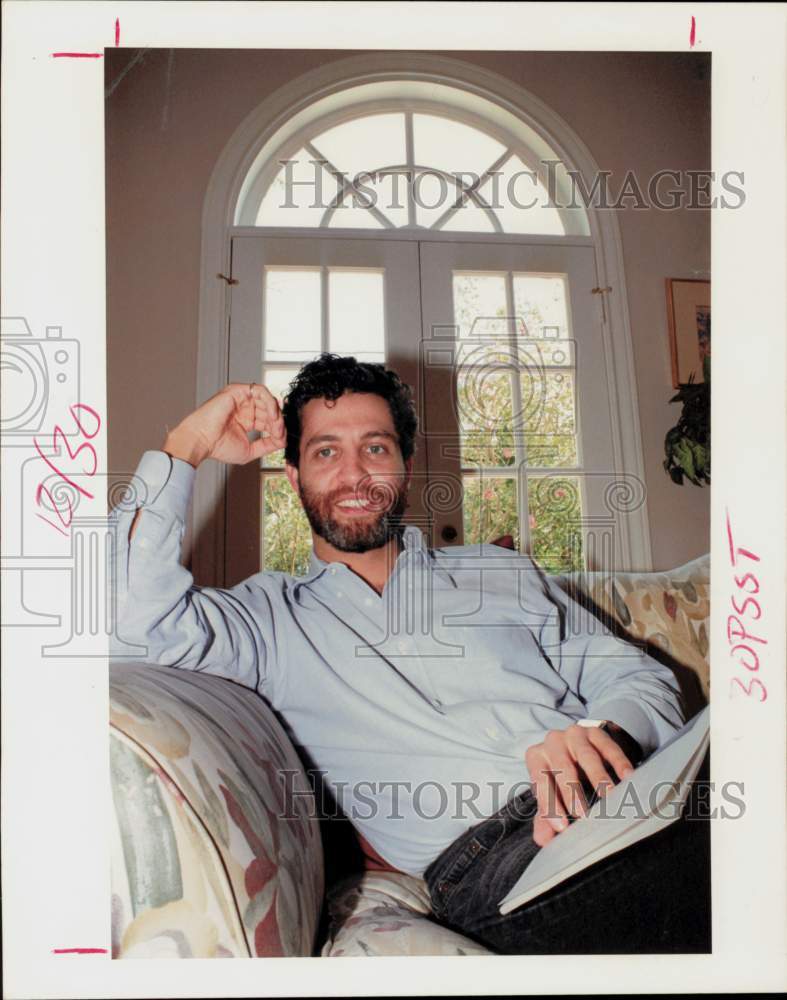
76,413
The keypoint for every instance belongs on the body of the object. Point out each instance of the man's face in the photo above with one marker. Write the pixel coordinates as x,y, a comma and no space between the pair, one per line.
351,479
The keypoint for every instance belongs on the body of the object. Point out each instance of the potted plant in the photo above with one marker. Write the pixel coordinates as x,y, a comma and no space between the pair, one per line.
687,444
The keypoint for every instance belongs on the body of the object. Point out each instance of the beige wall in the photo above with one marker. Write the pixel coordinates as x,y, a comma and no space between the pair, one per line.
169,115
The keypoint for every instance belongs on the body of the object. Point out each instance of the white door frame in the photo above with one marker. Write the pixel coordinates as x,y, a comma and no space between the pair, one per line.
224,188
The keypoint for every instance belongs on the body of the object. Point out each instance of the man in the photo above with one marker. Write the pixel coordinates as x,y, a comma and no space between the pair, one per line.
457,718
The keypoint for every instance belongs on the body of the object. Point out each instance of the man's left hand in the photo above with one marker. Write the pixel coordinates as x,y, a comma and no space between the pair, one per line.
558,767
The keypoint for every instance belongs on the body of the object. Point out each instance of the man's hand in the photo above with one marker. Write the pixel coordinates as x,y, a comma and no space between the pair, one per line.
219,428
558,767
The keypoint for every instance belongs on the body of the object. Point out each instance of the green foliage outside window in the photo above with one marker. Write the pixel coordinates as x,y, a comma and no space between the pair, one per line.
286,533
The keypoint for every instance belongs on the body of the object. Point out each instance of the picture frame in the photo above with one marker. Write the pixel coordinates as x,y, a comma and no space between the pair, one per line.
688,316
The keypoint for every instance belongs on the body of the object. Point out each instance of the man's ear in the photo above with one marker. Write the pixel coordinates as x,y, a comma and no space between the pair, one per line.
291,472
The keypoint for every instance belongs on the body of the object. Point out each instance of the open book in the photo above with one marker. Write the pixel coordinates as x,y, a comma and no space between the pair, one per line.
638,806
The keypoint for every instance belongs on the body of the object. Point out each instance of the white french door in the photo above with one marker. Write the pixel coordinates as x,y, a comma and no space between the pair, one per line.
503,346
517,408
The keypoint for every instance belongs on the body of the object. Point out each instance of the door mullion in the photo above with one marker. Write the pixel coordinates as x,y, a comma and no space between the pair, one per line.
517,424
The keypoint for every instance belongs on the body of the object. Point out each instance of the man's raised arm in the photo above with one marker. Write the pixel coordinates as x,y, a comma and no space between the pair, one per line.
158,605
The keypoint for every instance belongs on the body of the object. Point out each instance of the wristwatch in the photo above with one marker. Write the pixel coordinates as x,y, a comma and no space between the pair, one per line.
627,743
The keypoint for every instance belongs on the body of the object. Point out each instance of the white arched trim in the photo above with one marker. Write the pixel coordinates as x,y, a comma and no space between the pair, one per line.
549,134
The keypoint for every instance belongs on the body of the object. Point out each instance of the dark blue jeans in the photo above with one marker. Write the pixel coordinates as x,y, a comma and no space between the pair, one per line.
650,898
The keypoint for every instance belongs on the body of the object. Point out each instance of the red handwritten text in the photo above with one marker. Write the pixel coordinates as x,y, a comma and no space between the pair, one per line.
87,464
745,645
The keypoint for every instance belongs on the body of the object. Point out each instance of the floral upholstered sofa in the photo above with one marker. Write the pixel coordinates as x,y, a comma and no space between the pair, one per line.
209,861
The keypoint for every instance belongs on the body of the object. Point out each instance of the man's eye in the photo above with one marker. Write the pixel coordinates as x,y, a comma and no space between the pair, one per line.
381,447
324,452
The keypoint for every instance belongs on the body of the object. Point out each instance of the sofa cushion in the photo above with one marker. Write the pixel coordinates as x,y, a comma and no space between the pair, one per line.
669,610
388,913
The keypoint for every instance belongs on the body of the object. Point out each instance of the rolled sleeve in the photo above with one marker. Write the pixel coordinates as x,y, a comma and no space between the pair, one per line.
160,608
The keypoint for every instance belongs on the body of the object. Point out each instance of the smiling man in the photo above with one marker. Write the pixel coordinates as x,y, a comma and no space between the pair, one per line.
459,744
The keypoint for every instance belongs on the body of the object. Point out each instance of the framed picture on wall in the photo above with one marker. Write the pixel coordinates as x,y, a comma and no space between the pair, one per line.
688,314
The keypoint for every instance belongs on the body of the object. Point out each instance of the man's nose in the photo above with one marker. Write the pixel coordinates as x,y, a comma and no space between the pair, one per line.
353,469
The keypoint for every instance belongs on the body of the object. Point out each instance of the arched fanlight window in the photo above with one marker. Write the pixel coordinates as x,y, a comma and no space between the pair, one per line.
432,157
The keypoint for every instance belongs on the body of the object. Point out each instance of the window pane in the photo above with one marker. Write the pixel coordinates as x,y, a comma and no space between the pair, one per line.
292,314
388,191
540,304
356,314
469,219
489,509
484,404
433,194
278,381
364,143
549,417
352,215
520,202
555,521
479,298
453,146
286,533
299,194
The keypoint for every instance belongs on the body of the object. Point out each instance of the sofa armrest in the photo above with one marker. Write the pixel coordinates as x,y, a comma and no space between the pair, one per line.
213,853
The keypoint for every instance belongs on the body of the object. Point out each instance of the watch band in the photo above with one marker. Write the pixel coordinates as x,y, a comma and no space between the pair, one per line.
627,743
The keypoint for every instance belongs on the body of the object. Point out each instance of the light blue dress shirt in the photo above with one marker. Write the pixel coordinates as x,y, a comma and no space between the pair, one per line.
416,706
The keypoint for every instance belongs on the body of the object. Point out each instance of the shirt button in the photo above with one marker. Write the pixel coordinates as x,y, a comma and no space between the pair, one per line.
143,543
368,602
492,732
332,570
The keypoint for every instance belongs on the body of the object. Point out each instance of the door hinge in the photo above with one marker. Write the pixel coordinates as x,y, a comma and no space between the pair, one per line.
601,291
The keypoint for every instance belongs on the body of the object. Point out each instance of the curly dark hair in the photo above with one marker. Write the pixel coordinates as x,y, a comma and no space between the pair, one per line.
328,377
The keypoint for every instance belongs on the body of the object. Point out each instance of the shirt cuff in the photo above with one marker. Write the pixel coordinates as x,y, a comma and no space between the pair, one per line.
166,482
627,714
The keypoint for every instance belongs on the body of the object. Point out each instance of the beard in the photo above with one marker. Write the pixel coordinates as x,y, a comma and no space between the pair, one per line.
357,533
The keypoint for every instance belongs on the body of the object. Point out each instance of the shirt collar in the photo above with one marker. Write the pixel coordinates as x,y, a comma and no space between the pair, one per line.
413,542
